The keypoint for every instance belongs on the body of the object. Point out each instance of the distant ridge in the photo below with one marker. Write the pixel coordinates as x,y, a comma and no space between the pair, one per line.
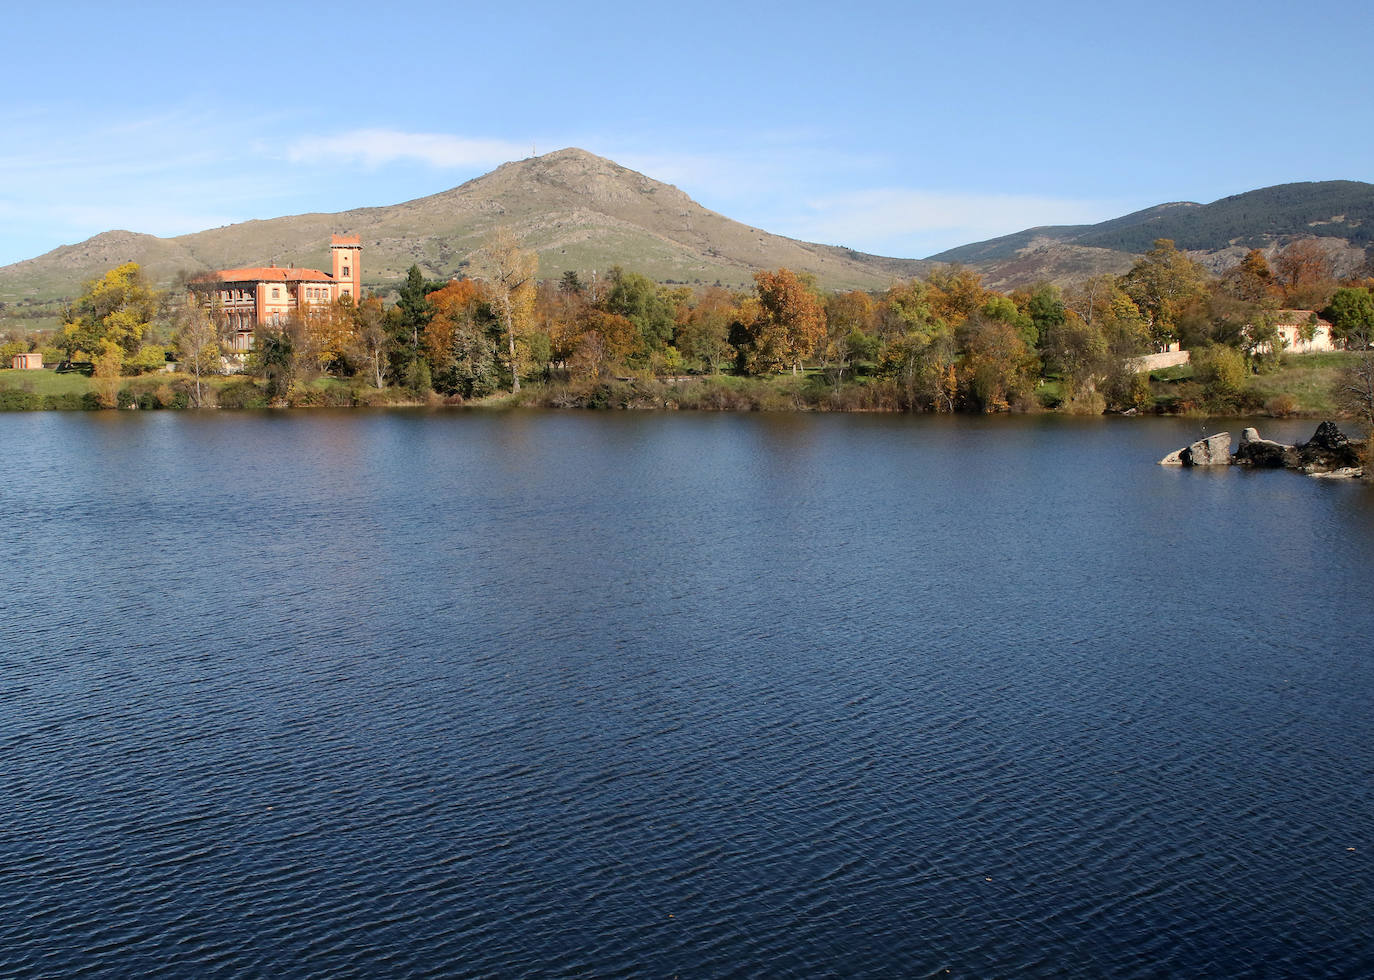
1339,210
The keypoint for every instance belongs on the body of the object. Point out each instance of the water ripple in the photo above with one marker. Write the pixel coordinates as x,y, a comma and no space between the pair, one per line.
787,711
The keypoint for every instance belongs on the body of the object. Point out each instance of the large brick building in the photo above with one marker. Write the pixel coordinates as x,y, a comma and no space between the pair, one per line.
266,295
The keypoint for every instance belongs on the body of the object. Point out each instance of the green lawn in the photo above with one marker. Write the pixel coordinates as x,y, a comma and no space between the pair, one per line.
1308,378
45,382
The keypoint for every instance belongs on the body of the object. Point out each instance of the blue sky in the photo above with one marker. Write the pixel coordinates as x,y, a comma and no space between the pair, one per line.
898,128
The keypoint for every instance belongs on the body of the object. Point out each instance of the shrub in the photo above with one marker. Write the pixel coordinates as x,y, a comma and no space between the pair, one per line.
69,401
242,394
1281,406
1221,371
1087,401
333,396
14,400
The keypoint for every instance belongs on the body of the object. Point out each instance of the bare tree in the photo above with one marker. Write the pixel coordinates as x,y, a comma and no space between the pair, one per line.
197,340
508,272
1355,388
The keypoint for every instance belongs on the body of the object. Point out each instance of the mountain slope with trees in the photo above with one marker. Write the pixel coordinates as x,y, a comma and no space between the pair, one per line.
1340,212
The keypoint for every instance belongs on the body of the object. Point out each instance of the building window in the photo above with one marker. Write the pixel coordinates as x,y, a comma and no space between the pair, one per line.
345,270
276,293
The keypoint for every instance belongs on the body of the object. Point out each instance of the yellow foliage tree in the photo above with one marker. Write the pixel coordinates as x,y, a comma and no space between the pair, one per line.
115,309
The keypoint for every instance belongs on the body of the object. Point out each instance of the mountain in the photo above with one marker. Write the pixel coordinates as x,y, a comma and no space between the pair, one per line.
582,212
577,210
1341,212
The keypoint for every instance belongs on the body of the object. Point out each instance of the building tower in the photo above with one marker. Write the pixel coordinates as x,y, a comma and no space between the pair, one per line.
347,252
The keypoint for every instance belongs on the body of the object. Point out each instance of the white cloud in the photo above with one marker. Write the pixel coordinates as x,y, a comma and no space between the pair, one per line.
376,147
145,217
919,222
773,184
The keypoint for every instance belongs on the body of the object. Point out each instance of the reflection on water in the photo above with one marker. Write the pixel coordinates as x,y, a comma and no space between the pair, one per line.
324,693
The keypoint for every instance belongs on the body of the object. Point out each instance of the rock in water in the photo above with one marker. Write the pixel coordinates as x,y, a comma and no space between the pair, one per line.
1327,453
1262,453
1327,450
1215,450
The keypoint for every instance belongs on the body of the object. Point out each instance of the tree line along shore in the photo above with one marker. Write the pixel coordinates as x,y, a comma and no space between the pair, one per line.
946,343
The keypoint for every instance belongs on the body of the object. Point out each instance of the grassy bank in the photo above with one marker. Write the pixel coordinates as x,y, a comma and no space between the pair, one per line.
1301,386
48,390
807,392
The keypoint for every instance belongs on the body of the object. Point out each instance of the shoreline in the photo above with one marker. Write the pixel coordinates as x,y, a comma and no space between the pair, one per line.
46,390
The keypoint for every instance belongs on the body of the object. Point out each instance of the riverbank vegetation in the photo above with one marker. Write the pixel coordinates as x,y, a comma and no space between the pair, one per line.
945,343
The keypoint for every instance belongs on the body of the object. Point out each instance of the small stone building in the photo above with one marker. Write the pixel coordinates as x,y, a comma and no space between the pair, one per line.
1292,325
32,361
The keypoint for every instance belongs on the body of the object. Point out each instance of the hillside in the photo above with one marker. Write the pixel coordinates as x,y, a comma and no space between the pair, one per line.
579,211
1341,212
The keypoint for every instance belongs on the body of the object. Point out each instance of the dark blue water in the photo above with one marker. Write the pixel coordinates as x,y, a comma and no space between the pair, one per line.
359,694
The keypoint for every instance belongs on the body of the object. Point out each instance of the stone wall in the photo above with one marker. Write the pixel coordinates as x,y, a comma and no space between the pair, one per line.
1153,362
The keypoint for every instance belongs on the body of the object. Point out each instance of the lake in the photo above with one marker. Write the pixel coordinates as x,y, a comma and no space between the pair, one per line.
638,694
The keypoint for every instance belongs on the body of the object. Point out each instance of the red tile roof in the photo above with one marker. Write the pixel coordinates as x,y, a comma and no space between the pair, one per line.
346,240
1287,318
273,274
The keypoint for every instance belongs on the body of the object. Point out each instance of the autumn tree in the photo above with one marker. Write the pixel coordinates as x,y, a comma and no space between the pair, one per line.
998,369
849,336
463,340
955,293
113,313
645,304
1306,273
922,362
326,336
790,323
1078,353
1222,373
704,338
1251,280
371,337
1004,309
919,350
1161,284
1098,298
603,341
508,272
197,340
903,310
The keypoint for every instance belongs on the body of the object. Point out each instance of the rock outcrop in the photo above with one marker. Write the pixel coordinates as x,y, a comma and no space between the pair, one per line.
1215,450
1263,453
1328,453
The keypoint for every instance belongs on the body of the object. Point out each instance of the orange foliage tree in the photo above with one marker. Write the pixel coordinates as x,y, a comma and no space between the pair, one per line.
791,321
